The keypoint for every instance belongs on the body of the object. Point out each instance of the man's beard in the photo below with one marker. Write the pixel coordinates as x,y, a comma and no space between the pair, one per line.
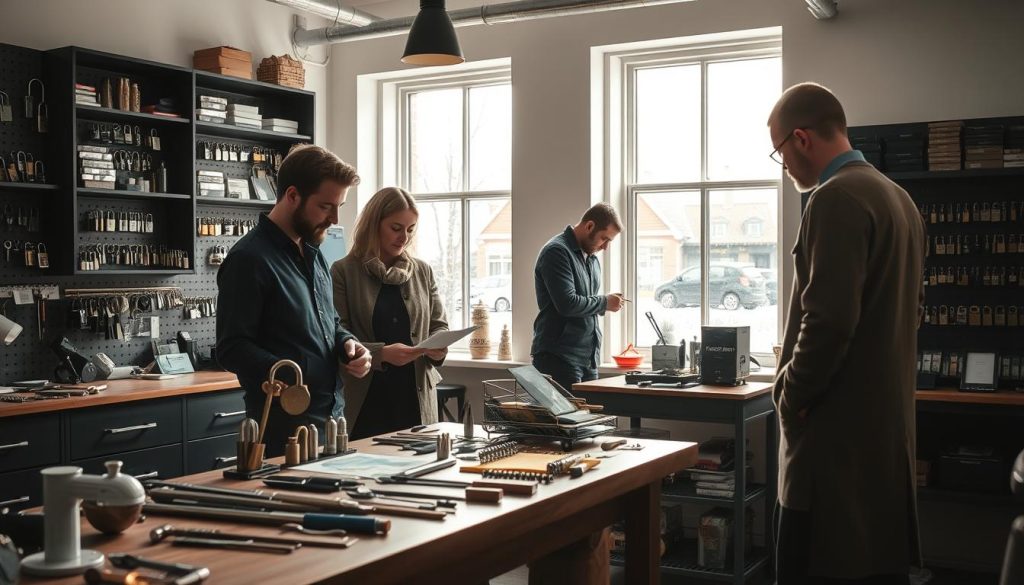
801,163
590,245
312,234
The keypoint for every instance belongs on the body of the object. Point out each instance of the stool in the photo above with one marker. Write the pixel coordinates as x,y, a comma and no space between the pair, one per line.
446,392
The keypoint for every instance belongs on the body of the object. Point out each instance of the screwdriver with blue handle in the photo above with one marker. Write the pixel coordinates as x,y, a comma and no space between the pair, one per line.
360,524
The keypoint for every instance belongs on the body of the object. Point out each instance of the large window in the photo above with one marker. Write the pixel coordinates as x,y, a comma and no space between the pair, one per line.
699,183
456,160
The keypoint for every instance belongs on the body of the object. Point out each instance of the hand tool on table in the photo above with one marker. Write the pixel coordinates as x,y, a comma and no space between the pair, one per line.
519,487
285,502
183,574
238,545
362,524
161,532
432,501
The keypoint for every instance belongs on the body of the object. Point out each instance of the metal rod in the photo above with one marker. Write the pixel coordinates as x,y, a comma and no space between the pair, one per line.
487,14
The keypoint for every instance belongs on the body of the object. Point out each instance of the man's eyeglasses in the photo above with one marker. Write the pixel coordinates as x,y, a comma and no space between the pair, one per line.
776,155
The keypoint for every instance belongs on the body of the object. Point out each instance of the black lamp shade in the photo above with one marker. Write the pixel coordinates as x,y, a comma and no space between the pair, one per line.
432,39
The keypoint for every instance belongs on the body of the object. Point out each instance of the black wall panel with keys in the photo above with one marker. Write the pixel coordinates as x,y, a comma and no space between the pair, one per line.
64,221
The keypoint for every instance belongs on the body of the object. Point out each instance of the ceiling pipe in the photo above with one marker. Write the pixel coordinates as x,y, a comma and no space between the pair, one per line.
332,10
487,14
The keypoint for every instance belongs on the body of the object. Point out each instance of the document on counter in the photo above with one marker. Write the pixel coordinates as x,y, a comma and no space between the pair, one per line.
443,339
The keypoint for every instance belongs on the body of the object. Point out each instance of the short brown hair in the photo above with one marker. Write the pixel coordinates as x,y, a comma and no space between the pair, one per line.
603,215
307,166
384,203
809,105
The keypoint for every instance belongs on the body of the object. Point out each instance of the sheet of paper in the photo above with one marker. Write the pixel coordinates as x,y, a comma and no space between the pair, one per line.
980,368
443,339
362,465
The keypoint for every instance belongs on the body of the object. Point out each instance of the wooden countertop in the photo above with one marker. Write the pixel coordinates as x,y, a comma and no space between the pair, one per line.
128,391
477,538
617,385
1004,397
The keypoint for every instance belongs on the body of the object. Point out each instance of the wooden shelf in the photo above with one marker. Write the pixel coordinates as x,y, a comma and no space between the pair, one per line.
111,115
12,186
231,131
1005,397
228,202
962,174
121,194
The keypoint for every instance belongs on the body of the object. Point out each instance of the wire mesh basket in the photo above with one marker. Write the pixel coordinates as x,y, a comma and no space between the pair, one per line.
510,410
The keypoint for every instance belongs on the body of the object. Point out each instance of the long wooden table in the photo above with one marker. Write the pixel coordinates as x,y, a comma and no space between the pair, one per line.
479,541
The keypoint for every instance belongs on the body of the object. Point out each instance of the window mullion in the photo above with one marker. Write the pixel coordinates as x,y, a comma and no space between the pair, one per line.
466,309
705,208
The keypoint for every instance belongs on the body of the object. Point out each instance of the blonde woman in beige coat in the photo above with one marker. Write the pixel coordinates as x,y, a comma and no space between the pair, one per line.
389,300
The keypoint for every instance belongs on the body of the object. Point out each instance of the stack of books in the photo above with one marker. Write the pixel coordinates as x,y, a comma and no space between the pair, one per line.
904,151
716,483
211,183
245,116
212,109
96,167
944,148
1013,147
870,147
984,147
85,95
281,125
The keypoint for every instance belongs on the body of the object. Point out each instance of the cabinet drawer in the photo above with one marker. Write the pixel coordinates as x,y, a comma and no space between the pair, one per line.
213,414
161,462
208,454
128,427
27,441
21,489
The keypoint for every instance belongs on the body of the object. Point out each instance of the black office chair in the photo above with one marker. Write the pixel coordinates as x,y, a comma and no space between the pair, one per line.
1013,562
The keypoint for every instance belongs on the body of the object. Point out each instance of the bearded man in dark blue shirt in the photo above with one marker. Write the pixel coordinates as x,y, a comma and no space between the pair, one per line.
275,298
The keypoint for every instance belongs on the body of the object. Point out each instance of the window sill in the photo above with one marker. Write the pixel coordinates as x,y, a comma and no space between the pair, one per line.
462,360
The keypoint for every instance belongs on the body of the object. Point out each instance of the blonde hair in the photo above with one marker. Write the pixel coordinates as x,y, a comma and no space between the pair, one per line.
384,203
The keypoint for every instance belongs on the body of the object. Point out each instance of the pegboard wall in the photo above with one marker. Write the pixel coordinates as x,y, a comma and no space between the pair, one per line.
29,356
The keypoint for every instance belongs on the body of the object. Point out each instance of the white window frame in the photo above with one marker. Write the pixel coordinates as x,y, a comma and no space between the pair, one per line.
628,191
403,90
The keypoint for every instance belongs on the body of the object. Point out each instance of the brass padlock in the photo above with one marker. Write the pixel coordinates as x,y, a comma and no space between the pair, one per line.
294,398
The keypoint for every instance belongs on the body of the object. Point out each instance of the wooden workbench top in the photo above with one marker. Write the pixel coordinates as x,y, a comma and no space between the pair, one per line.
617,384
127,391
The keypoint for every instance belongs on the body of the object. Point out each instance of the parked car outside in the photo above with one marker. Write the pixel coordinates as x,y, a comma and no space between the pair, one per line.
495,292
731,285
771,285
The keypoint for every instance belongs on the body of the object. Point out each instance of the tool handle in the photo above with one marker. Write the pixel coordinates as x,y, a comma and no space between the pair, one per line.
362,524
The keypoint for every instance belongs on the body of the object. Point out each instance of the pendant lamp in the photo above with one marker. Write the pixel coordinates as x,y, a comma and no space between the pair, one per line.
432,39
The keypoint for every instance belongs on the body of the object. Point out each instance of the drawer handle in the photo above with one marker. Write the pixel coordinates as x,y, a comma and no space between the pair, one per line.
13,445
227,414
151,425
149,475
20,500
222,460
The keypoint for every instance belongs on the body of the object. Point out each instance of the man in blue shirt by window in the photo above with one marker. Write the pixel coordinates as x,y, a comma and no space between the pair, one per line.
275,297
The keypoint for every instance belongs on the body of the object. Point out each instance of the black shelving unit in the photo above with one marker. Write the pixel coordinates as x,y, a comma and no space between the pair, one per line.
63,202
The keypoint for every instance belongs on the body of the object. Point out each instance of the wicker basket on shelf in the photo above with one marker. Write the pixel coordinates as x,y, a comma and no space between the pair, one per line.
282,70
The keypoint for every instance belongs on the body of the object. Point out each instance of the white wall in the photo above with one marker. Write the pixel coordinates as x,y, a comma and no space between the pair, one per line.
166,32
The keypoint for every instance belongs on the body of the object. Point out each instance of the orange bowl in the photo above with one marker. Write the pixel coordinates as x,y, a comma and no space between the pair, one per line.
628,361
